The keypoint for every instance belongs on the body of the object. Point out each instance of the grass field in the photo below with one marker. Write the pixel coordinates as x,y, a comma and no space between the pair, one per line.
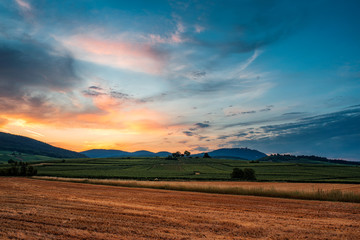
5,156
37,209
207,169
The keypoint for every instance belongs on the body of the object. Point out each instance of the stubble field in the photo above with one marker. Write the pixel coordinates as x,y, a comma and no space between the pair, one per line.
38,209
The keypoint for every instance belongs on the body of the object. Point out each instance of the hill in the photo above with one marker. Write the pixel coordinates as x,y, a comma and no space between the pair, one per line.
287,158
237,153
5,156
21,144
228,153
107,153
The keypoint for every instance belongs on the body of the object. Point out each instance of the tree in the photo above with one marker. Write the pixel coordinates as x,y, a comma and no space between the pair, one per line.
206,155
176,154
249,174
31,171
22,170
187,153
237,173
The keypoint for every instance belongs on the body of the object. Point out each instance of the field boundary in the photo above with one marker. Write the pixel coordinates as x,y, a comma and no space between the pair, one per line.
321,195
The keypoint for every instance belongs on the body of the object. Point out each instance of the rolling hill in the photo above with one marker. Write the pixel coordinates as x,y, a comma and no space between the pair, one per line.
10,142
107,153
229,153
237,153
287,158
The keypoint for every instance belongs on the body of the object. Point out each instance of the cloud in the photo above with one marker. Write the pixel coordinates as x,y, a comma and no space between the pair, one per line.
202,137
34,133
32,77
240,134
3,122
118,53
24,5
200,149
198,126
248,112
198,74
252,26
119,95
232,111
188,133
92,93
34,65
268,108
333,135
294,113
95,88
202,125
95,91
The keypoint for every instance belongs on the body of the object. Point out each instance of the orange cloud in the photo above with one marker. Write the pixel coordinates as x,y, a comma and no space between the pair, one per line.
139,57
3,122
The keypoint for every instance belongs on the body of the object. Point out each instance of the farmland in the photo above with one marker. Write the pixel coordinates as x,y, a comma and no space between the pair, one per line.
304,191
5,156
196,169
37,209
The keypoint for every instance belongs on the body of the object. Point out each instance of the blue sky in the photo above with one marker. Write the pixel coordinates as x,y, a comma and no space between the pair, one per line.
277,76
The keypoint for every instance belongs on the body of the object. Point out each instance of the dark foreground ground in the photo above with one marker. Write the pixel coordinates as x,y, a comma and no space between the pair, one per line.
38,209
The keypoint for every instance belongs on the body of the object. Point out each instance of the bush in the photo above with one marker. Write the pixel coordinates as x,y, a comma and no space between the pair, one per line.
171,157
247,174
237,173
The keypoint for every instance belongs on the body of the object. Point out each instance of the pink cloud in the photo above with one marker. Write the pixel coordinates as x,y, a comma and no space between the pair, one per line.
23,4
174,37
139,57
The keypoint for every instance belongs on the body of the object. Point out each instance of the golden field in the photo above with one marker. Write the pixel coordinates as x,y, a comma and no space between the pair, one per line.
38,209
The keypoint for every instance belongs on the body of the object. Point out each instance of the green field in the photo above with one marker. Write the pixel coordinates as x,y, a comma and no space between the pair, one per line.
185,168
5,156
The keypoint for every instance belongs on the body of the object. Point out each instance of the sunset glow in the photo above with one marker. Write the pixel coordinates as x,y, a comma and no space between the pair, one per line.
277,76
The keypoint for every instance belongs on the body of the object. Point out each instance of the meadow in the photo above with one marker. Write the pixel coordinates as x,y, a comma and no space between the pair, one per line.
195,169
5,156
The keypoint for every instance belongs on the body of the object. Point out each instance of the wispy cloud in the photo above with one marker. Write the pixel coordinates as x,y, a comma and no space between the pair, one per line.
118,53
334,135
246,64
24,5
35,133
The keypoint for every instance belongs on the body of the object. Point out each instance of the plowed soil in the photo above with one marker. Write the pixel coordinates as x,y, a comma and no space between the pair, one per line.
39,209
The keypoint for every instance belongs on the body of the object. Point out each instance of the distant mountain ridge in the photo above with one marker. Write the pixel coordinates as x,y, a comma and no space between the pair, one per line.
106,153
236,153
305,159
231,153
11,142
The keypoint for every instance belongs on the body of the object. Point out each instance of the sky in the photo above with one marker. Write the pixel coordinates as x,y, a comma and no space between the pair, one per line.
168,75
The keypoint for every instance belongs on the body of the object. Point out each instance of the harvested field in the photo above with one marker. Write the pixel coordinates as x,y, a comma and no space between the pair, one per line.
38,209
304,191
280,186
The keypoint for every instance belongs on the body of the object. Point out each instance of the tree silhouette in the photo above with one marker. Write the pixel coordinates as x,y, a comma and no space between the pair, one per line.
206,155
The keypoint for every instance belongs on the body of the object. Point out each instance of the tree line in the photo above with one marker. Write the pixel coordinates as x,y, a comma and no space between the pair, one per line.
18,169
178,154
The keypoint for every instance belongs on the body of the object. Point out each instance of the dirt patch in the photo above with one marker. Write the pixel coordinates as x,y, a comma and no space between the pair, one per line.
38,209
